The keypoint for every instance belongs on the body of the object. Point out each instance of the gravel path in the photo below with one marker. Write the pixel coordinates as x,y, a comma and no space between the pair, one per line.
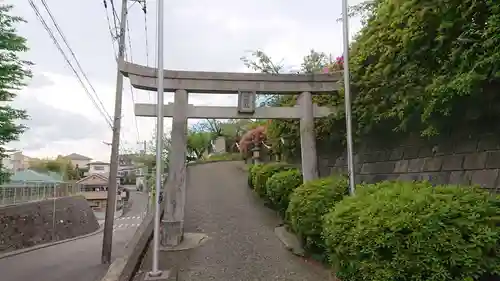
242,245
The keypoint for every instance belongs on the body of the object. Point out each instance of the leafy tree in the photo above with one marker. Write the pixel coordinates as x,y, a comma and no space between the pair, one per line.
251,139
261,62
198,143
149,158
13,75
283,135
213,126
315,62
60,165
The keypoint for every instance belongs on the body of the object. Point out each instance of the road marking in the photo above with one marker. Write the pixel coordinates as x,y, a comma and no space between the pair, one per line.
125,226
130,218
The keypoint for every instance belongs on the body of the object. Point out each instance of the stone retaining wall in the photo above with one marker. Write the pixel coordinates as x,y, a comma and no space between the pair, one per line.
29,224
458,159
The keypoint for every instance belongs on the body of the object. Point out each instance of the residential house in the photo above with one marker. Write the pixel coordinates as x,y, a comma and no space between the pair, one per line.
140,178
15,161
78,160
94,188
127,169
98,167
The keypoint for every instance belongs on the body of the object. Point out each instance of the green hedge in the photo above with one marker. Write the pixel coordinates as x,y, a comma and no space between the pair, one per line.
252,171
265,172
414,231
309,202
279,187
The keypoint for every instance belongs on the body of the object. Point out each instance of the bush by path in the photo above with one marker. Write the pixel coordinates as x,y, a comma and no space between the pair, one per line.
309,202
414,231
279,187
262,174
406,231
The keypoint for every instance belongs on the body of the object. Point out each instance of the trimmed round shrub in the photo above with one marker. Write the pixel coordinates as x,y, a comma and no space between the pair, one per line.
414,231
261,176
308,203
252,170
279,187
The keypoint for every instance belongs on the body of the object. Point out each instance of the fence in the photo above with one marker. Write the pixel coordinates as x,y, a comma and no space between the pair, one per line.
15,194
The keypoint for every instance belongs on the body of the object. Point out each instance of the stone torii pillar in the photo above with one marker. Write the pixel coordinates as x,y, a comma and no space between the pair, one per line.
308,153
173,219
183,82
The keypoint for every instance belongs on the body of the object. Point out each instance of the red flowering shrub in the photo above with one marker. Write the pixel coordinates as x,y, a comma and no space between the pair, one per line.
251,138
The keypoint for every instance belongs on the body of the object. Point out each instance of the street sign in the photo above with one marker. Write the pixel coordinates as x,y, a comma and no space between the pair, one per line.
246,101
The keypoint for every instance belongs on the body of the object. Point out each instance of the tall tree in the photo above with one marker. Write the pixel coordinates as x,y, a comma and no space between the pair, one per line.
13,75
149,159
198,143
261,62
60,165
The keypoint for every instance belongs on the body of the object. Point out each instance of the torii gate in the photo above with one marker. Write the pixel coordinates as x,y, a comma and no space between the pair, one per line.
247,86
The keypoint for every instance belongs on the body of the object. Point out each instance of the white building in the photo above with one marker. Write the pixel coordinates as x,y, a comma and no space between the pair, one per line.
98,167
15,161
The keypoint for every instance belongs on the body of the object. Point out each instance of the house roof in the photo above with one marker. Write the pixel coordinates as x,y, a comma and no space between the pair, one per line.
56,176
93,179
76,156
32,176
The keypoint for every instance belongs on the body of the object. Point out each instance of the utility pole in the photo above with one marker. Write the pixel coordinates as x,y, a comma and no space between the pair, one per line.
107,240
347,98
155,272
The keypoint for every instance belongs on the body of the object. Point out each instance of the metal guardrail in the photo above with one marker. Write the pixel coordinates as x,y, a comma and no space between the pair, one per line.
15,194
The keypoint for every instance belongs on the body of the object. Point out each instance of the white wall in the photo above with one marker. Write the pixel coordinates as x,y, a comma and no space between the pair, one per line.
98,169
7,163
14,161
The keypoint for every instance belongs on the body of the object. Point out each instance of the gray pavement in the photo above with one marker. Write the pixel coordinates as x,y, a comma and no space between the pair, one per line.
242,245
79,260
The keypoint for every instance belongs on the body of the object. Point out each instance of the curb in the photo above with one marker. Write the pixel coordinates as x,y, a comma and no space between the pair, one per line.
290,241
49,244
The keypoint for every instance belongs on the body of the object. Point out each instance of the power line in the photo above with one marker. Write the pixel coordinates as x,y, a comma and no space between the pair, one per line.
56,43
146,34
113,37
115,14
145,10
74,56
131,88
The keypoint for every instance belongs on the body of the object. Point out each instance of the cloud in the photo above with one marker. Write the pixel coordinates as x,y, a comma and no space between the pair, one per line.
40,80
58,112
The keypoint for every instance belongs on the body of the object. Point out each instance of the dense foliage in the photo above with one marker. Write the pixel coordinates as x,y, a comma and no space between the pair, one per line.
309,202
416,66
60,165
414,231
391,230
262,174
445,57
279,187
13,75
253,170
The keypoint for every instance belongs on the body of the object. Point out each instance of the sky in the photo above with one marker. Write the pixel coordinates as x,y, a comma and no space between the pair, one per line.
198,35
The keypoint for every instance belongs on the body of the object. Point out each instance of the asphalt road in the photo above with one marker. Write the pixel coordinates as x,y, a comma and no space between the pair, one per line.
79,260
